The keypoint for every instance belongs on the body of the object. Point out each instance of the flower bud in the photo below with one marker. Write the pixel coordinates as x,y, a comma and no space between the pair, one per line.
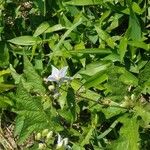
49,135
38,136
132,97
65,141
51,87
44,132
41,146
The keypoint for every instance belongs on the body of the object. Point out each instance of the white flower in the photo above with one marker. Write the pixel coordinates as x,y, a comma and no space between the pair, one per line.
58,75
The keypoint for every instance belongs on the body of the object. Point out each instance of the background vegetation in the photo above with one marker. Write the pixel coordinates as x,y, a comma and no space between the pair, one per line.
105,44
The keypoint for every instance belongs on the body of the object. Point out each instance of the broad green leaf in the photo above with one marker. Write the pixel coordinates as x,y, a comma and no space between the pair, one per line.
130,132
95,67
140,44
43,27
143,113
32,77
84,2
123,47
31,116
96,79
25,40
109,111
112,57
120,144
134,26
129,79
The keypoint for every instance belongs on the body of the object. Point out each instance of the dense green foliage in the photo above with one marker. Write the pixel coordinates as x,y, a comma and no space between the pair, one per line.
105,44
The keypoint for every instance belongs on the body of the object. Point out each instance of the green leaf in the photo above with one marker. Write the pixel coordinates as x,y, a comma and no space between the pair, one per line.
42,27
143,113
32,77
95,67
5,102
96,79
134,26
130,132
25,40
54,28
136,8
31,115
84,2
5,87
15,75
140,44
71,103
123,47
129,135
129,79
105,37
67,33
77,147
87,136
4,72
4,55
144,74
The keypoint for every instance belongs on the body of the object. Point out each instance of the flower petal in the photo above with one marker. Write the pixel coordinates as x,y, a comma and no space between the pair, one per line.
55,71
51,78
63,72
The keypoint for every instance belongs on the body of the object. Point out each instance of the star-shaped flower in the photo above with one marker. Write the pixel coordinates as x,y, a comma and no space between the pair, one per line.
58,75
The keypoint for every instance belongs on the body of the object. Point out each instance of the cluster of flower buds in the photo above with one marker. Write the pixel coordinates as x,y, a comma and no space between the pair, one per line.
128,102
44,137
25,7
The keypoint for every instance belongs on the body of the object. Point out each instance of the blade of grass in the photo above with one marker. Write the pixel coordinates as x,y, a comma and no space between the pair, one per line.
68,32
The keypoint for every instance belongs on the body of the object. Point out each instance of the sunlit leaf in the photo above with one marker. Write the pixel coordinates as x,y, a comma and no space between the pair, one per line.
25,40
43,27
